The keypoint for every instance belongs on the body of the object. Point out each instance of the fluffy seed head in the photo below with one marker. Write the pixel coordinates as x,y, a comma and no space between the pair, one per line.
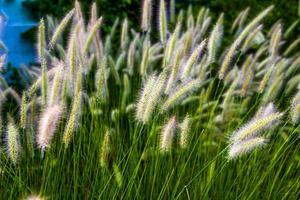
146,15
192,60
91,35
124,34
60,28
13,141
162,21
41,40
23,112
154,97
184,132
255,127
47,125
167,135
73,119
266,110
232,50
144,97
214,40
181,91
244,147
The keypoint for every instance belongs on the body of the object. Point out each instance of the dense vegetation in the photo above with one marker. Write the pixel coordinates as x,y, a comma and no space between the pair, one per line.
175,112
287,11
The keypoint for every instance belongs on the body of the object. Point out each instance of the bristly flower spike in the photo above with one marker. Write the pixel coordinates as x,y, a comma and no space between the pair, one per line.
13,141
167,135
60,28
162,21
184,132
238,149
48,125
146,15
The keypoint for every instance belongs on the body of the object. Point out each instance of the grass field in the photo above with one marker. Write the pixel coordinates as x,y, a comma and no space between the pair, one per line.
164,112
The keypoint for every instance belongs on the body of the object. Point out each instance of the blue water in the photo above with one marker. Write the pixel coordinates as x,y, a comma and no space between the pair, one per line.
14,19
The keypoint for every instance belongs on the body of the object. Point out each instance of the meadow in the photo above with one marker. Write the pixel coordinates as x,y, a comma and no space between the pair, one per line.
166,110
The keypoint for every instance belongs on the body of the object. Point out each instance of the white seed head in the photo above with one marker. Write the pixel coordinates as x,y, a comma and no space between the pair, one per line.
244,147
154,97
47,126
255,126
167,135
144,97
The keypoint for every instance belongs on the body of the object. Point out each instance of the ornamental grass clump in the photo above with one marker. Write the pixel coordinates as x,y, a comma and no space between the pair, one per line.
107,108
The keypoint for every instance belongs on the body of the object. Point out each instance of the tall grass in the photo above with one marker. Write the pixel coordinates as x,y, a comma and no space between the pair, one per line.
166,113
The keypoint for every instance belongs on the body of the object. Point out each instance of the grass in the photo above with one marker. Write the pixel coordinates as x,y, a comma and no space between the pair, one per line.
107,142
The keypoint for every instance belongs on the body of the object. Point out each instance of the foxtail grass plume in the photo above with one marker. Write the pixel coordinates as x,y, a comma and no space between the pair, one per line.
23,112
144,97
44,81
60,28
167,135
171,44
145,59
124,34
247,82
255,127
92,34
162,21
101,84
233,48
105,149
184,132
56,85
180,93
41,40
193,59
71,59
175,69
12,141
275,41
265,80
154,97
215,40
48,125
291,47
73,119
295,109
42,59
251,37
244,147
266,110
146,15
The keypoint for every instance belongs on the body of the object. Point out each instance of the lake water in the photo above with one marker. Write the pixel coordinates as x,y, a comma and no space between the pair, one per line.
14,19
